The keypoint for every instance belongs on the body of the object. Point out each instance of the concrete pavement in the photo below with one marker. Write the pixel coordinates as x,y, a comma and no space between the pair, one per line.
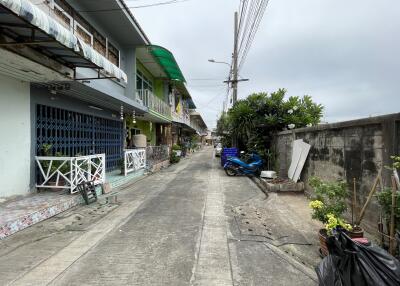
176,227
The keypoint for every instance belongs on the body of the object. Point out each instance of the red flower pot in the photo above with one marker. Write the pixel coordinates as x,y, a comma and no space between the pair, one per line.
322,235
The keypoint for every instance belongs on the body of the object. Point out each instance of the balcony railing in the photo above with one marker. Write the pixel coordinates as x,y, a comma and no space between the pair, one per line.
184,117
73,21
200,130
148,99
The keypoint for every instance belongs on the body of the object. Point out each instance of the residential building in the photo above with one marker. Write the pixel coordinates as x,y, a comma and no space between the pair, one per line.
182,103
161,87
153,88
64,83
198,124
78,79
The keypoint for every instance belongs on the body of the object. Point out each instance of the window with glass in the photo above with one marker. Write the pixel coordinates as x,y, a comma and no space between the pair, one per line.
142,82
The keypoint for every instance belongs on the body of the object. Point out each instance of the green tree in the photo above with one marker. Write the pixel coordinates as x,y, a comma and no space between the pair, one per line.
223,130
257,118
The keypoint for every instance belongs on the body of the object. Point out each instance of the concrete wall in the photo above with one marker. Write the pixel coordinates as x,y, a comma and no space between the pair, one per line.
354,149
15,133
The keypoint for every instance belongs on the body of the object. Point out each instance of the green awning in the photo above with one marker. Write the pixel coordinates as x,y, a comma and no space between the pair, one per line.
166,59
191,104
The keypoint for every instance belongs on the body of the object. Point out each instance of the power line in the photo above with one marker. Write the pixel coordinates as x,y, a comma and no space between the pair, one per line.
204,79
251,17
211,100
242,9
134,7
247,17
254,31
257,20
249,24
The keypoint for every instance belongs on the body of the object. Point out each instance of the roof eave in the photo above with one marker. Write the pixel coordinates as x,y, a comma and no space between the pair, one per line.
135,22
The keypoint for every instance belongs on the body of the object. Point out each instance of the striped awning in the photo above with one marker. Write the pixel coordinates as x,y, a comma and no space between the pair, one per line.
37,18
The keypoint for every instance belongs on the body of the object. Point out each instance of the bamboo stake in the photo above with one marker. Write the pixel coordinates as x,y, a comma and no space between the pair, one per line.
370,195
380,229
392,221
396,178
352,204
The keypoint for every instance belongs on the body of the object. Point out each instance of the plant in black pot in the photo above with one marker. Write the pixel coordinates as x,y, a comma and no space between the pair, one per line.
328,206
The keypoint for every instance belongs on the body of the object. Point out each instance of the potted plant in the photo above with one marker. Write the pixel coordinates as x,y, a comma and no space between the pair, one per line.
121,165
174,158
177,150
356,231
63,167
328,206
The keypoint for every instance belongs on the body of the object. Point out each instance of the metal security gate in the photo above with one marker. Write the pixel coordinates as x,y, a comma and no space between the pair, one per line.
72,134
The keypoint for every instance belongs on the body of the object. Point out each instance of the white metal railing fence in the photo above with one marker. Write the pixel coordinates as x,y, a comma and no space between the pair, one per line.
148,99
156,154
134,159
69,172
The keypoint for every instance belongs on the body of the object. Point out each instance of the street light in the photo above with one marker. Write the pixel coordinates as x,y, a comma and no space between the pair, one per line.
217,62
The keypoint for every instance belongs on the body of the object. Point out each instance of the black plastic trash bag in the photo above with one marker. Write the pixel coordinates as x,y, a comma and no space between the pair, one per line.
353,264
327,273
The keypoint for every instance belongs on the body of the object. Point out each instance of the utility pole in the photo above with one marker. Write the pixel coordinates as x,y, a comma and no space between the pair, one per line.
235,60
235,69
235,72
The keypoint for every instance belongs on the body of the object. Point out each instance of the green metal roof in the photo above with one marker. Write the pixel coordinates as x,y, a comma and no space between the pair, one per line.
167,61
191,104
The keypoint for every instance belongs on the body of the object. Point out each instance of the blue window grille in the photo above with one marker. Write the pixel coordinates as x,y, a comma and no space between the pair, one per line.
72,133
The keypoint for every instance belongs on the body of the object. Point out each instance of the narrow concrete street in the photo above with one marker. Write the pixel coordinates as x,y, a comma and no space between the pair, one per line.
180,226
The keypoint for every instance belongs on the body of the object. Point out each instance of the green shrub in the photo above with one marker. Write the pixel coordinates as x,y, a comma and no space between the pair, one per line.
329,199
385,201
46,151
174,158
176,147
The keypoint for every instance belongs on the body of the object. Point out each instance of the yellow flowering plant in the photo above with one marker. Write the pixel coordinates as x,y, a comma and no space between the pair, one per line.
316,204
334,222
329,199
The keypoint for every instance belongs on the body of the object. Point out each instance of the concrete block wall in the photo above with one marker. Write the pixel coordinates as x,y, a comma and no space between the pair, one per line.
343,151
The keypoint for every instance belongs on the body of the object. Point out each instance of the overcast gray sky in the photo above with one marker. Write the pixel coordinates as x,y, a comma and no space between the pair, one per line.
344,53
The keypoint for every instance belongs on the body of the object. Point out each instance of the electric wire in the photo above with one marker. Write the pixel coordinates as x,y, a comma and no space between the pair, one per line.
251,14
242,9
134,7
254,31
250,24
248,17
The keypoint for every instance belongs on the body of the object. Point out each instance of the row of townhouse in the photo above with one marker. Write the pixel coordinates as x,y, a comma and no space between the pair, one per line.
78,81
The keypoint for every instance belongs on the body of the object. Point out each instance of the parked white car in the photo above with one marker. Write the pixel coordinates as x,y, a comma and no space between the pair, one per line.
218,150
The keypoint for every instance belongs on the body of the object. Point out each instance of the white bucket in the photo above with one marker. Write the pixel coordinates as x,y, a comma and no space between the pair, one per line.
268,174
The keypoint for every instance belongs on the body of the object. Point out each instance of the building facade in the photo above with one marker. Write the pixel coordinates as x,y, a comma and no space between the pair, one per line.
75,83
